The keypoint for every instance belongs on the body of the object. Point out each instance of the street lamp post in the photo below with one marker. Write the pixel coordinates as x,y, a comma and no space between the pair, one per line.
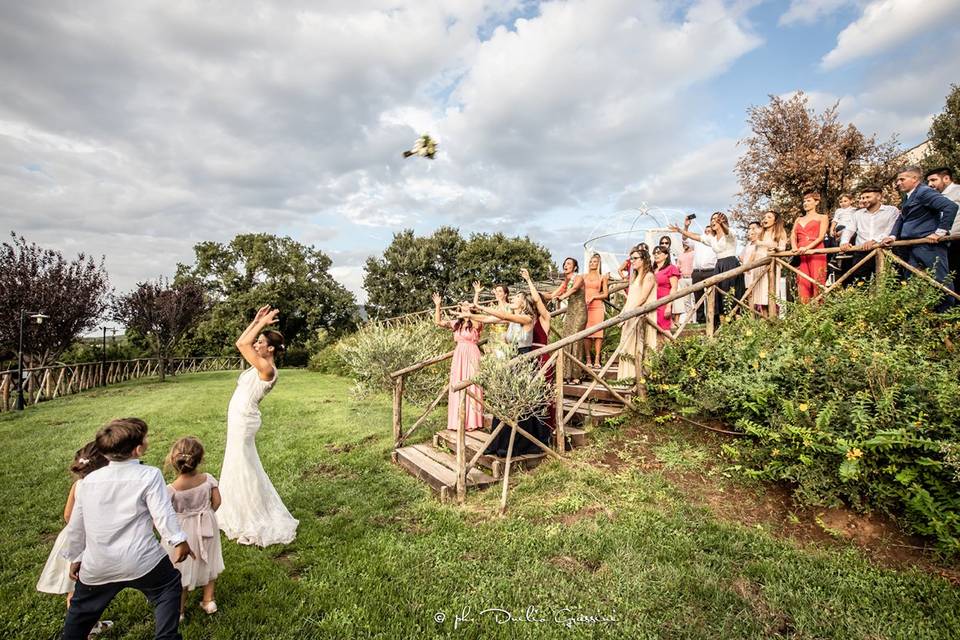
103,360
39,317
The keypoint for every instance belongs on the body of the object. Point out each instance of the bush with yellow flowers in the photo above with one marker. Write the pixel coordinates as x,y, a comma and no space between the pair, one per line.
859,397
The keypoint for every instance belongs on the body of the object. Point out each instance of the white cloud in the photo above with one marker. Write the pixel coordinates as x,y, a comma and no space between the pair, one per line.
137,130
885,24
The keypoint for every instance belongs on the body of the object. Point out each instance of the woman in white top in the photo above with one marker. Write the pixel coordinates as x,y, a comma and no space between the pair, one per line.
251,511
719,238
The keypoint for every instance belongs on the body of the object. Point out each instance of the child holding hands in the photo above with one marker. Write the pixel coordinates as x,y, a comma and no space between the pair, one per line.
110,541
196,498
55,577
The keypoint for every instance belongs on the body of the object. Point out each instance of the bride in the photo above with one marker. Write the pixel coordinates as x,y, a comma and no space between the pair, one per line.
252,511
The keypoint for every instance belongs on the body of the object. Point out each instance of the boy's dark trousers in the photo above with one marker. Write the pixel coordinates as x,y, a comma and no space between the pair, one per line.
161,586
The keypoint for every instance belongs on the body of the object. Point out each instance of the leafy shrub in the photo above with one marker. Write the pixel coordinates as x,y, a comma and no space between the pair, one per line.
854,400
328,360
513,389
376,350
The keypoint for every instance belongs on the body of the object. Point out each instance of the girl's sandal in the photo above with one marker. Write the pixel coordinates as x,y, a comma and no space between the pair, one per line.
100,627
209,607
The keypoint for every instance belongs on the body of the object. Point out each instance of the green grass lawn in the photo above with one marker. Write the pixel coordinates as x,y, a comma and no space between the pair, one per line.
377,556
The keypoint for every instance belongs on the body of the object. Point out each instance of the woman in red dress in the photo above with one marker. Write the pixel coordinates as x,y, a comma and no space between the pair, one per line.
807,234
668,275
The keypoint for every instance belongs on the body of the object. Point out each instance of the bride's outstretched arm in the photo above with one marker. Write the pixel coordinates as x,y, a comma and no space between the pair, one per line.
264,318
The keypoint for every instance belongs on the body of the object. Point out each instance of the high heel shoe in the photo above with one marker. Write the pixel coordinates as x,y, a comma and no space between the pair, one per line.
209,607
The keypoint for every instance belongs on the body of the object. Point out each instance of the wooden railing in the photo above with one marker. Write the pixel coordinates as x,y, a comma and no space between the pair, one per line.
770,267
47,383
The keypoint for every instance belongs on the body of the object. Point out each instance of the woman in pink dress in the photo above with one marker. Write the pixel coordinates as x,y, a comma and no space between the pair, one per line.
667,278
466,361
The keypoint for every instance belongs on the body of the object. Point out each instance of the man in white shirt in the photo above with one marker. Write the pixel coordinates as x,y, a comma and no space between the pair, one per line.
941,179
704,265
871,224
110,540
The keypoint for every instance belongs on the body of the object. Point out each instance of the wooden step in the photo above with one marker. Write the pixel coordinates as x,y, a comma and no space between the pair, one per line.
593,412
475,440
438,469
599,391
576,436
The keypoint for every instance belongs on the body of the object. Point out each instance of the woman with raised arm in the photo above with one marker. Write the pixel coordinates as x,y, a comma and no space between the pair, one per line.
496,330
463,366
575,319
519,321
642,290
252,511
719,238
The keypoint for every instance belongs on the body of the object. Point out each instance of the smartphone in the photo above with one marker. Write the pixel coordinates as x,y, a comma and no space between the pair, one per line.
692,216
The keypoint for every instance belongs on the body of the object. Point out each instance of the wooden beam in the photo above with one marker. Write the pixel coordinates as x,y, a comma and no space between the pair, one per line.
922,274
852,270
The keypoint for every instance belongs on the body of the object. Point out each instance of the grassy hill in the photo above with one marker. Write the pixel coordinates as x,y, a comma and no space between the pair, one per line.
586,550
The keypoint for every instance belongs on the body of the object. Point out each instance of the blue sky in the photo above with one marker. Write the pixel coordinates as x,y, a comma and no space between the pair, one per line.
135,130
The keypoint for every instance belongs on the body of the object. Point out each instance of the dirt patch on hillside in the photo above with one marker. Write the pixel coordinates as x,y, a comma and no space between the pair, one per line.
768,506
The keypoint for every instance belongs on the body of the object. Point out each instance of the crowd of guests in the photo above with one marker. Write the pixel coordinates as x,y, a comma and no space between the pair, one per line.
928,212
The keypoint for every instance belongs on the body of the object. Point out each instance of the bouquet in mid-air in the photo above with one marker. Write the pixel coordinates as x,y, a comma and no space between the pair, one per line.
425,147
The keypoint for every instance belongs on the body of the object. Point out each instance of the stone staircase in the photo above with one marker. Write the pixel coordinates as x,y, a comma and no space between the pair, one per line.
436,463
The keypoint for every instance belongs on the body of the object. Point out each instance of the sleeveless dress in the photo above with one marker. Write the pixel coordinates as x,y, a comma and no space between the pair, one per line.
574,321
466,360
199,521
664,313
55,577
595,307
815,265
540,339
251,511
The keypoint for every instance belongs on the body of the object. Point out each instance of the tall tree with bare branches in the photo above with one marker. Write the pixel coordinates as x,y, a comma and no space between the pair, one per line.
793,149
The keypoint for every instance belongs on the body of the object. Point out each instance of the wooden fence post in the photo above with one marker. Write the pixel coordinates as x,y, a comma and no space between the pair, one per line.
462,449
397,411
561,431
711,294
638,355
772,286
881,264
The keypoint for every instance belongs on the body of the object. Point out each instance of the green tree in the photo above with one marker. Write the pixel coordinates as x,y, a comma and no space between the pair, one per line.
945,135
412,268
497,259
255,269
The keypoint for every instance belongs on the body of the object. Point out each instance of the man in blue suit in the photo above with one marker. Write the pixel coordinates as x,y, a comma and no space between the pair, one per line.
925,214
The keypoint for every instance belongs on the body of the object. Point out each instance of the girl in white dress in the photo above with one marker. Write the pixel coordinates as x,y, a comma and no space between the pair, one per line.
55,577
252,511
196,498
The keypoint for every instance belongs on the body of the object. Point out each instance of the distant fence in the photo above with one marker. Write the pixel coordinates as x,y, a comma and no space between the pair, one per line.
46,383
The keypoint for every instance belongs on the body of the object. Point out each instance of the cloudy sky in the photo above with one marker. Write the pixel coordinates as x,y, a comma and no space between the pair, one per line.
136,129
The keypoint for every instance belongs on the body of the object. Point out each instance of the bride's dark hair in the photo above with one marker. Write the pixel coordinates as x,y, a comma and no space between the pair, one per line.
275,339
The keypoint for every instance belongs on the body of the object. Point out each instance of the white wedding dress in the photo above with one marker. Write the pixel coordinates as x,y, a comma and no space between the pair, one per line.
251,511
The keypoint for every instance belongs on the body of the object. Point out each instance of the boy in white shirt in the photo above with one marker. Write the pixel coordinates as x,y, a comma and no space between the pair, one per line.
110,540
